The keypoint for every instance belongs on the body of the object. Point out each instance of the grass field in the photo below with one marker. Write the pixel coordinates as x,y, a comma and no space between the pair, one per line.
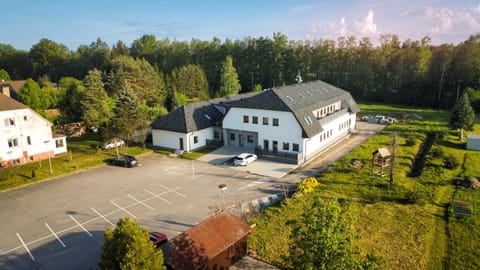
84,152
408,224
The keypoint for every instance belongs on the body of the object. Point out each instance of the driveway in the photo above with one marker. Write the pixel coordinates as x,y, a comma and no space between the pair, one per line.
222,155
293,172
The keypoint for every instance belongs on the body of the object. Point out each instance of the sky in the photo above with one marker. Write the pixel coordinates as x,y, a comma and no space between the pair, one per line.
81,22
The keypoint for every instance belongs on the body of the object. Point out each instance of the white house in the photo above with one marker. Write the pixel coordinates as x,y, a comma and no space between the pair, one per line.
292,123
25,136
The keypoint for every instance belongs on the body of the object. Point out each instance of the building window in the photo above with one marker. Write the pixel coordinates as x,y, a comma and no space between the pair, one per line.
265,120
286,146
245,119
255,119
9,122
25,118
232,136
249,138
195,139
295,147
12,142
29,141
216,135
59,143
275,122
321,137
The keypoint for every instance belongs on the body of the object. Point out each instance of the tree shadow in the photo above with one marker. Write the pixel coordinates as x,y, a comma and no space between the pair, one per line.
184,253
81,251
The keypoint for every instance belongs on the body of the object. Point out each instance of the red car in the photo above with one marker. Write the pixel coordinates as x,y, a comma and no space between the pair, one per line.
158,238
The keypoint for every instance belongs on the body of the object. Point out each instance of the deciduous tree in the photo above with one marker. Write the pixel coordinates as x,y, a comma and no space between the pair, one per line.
128,247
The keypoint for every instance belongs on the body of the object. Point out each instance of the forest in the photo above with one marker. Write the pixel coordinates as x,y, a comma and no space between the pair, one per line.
409,72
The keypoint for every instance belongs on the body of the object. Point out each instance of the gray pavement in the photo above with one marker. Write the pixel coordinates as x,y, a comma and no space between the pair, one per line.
59,224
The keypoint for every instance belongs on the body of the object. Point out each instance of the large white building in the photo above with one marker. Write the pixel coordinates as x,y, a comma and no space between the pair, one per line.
291,123
25,136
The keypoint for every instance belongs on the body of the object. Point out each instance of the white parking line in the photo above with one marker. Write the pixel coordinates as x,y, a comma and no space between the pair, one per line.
123,209
56,236
80,225
25,246
255,183
100,215
173,190
157,196
140,202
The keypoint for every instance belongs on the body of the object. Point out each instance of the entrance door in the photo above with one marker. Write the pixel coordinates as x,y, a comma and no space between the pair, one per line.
265,145
181,143
241,141
275,147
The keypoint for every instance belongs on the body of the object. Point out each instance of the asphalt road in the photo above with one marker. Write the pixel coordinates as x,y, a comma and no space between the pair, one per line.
59,224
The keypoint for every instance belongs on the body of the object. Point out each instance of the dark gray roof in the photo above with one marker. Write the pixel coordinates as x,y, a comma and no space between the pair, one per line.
197,115
189,118
300,99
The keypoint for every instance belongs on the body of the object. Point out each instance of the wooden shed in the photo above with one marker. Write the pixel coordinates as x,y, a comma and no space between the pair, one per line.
473,142
380,160
215,243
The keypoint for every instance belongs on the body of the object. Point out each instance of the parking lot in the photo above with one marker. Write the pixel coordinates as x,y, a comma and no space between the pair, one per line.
59,224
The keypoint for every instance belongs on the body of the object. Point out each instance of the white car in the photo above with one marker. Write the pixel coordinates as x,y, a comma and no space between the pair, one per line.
113,143
244,159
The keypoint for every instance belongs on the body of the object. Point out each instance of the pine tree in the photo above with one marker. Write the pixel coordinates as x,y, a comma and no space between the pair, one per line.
95,102
129,247
127,114
229,83
463,116
171,101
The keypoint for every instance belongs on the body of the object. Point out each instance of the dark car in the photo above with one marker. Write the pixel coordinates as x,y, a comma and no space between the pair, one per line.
124,161
158,238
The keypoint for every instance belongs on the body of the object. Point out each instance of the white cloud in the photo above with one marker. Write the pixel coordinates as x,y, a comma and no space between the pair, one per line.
444,20
367,25
327,29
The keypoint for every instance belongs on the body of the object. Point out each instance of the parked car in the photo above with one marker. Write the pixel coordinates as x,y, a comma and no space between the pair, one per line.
124,161
113,143
158,238
244,159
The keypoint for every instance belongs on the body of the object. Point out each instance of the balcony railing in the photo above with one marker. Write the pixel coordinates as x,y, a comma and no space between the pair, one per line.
332,116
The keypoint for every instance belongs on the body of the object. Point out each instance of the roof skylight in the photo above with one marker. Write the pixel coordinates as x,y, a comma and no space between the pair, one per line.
289,98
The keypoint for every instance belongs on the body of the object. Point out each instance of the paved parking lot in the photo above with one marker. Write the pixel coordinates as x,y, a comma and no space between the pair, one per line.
59,224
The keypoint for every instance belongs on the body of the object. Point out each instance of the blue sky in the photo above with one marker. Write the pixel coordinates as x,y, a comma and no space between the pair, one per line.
73,23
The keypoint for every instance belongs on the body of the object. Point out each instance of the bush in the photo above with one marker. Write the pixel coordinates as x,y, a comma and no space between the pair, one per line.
437,151
307,185
410,141
450,162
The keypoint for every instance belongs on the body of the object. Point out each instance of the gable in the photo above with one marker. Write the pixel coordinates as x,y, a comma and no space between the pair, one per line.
194,247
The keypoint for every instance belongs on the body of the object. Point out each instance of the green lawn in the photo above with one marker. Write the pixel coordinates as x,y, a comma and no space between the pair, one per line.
85,153
406,224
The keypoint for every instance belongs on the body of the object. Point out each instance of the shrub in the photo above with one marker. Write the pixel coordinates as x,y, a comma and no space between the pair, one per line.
410,141
450,161
307,185
437,151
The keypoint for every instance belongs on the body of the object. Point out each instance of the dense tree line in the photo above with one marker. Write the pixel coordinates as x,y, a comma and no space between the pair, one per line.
409,72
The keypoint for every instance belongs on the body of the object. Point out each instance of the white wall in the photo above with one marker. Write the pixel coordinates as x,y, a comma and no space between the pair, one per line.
288,129
27,124
333,131
202,136
168,139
